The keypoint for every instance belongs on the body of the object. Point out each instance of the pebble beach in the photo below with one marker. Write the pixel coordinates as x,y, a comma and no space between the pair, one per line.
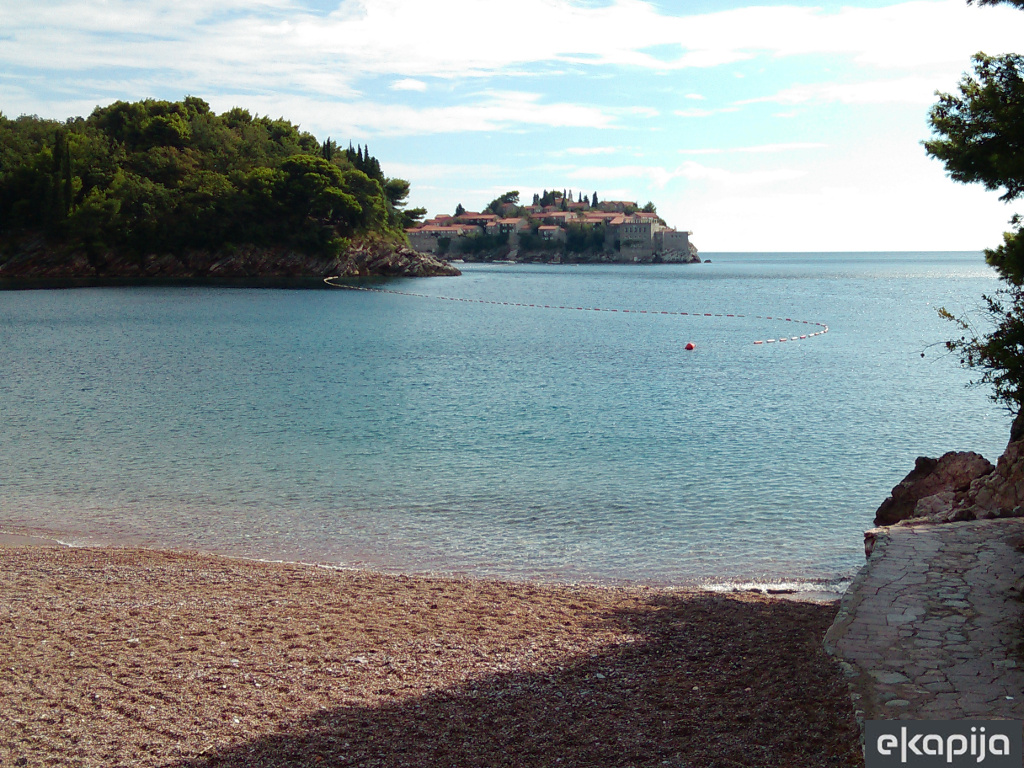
129,657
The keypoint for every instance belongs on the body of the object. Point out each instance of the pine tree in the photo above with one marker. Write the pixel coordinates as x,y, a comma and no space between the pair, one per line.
59,203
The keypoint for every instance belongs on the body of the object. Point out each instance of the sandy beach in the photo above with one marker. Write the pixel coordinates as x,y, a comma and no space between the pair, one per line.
121,657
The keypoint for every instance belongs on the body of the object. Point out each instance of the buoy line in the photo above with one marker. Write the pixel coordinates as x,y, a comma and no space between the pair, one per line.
822,326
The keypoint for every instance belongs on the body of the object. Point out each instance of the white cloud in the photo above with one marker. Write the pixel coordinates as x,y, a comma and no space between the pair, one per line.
584,151
409,84
695,112
437,171
873,195
907,90
757,149
491,111
660,177
243,44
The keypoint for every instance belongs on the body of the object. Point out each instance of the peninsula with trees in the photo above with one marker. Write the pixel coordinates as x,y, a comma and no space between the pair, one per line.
555,227
158,191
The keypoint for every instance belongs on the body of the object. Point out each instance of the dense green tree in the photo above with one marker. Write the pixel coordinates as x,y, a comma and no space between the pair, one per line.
584,237
498,204
163,176
980,139
413,217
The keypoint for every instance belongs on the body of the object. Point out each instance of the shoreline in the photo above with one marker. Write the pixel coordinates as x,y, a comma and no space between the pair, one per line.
22,540
184,659
819,590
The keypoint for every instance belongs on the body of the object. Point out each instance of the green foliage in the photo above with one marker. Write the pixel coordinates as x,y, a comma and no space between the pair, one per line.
584,237
1008,258
980,139
999,354
532,241
413,217
1018,3
550,198
498,204
982,129
478,243
157,175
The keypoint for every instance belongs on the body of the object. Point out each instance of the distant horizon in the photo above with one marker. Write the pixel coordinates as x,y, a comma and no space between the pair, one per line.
979,251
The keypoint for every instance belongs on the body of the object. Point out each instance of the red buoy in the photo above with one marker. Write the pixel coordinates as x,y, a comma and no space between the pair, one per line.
690,346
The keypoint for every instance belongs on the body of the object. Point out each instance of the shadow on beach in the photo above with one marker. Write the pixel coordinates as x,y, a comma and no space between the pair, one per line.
711,680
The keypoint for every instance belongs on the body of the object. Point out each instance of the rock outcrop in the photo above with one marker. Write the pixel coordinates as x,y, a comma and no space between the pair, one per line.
958,486
935,486
1001,493
37,264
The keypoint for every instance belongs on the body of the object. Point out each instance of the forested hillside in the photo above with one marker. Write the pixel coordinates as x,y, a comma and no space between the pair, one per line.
173,179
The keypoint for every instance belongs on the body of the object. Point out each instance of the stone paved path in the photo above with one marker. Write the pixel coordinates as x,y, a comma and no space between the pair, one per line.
933,626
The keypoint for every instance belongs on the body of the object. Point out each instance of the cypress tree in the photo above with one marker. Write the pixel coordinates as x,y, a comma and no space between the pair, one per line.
57,209
69,189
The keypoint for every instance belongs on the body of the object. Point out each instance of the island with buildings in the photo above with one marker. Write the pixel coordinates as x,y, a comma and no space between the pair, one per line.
555,228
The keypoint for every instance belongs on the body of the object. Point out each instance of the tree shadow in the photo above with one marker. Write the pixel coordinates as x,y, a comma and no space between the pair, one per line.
712,681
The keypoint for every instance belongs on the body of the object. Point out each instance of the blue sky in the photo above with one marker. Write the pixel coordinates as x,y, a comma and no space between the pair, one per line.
774,127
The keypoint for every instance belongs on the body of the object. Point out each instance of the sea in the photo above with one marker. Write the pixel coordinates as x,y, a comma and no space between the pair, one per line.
495,425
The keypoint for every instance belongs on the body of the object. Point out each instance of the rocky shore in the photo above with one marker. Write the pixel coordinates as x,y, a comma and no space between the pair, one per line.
930,628
560,256
38,264
959,486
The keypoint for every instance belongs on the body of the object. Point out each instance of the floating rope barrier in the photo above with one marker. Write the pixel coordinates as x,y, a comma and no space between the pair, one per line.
822,326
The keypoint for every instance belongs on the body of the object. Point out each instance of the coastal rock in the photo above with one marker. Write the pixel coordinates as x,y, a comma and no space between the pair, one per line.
678,257
939,504
36,263
379,259
1001,492
953,473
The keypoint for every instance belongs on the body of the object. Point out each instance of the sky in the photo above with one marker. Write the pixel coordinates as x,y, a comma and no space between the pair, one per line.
775,127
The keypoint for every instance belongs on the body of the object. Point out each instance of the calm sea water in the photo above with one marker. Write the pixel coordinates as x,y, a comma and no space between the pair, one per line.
427,436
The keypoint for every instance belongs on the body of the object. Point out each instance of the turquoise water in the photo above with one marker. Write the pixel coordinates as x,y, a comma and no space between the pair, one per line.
426,436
